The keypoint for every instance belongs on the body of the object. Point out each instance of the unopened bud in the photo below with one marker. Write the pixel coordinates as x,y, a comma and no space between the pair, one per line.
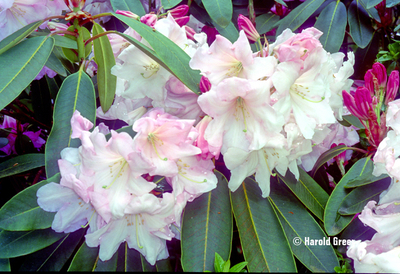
247,26
190,33
181,21
75,5
128,14
392,86
179,11
205,84
149,19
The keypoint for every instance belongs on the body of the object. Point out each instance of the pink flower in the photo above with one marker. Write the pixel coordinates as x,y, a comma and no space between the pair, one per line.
247,26
149,19
128,14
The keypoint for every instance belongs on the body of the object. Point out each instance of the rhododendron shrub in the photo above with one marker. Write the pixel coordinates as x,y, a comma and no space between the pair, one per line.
173,136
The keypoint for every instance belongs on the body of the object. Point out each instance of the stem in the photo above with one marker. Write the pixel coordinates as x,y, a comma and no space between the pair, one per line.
79,40
54,17
64,32
101,15
99,35
358,149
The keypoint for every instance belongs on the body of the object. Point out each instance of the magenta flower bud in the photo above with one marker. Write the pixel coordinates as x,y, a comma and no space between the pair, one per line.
149,19
369,82
190,33
128,14
392,86
379,71
360,104
179,11
205,84
75,4
247,26
181,21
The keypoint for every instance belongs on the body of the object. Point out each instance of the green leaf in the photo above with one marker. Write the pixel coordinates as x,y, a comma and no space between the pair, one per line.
105,60
366,177
134,6
76,93
359,24
332,22
265,22
230,32
238,267
66,63
299,224
53,257
334,223
299,15
21,164
326,156
309,192
55,64
65,42
392,3
220,11
17,73
207,218
14,38
264,243
5,265
219,263
353,120
85,259
168,52
371,3
356,200
169,4
109,265
371,11
22,213
19,243
164,266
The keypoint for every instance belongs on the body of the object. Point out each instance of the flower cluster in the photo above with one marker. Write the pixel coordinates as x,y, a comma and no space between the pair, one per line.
108,184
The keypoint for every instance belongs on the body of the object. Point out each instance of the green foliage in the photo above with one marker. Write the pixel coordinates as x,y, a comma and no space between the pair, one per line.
220,11
21,164
224,266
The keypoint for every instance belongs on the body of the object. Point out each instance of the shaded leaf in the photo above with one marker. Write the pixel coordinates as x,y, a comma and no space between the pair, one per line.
356,230
265,22
298,223
18,243
367,177
3,143
16,37
76,93
105,60
371,3
371,11
5,265
359,24
356,200
134,6
264,243
22,212
392,3
334,223
65,42
21,164
309,192
207,218
230,32
109,265
326,156
220,11
168,4
53,257
299,15
55,64
17,73
85,259
332,22
168,52
353,120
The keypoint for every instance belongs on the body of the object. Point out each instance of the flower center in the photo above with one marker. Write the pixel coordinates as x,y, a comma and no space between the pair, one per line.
153,139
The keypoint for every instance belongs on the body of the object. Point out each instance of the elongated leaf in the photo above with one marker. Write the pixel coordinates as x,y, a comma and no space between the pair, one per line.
309,192
230,32
359,24
105,60
21,164
334,223
5,265
168,4
392,3
356,230
76,93
22,212
14,38
85,259
299,15
66,63
220,11
53,257
299,226
164,266
265,246
326,156
265,22
332,22
17,73
65,42
371,3
109,265
371,11
18,243
168,52
367,177
355,201
207,218
55,64
134,6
